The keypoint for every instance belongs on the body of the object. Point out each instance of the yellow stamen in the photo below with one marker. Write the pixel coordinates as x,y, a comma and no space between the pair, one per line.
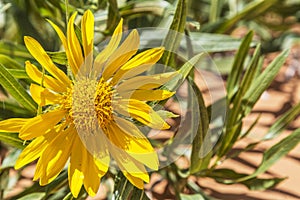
103,102
91,104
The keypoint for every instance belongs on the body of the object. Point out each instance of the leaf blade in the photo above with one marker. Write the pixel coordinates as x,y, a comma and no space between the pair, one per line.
173,38
16,90
12,139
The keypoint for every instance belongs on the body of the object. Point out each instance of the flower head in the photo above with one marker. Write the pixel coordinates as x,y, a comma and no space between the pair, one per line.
89,116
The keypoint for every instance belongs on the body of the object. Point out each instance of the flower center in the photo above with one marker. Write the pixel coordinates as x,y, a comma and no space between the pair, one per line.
91,104
103,102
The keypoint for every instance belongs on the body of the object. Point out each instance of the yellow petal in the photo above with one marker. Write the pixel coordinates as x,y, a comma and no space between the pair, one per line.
65,44
60,34
74,45
95,142
12,125
42,96
87,35
55,156
36,148
145,59
38,125
31,152
141,112
146,82
84,169
127,136
147,95
87,30
129,165
92,176
97,146
48,81
109,49
76,167
127,49
41,56
137,182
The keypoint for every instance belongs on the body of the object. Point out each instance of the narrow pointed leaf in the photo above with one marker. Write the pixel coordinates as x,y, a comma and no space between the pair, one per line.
183,73
262,183
12,139
10,63
16,90
250,11
113,16
12,109
14,51
229,176
191,197
283,122
35,195
276,152
199,157
18,73
124,190
262,82
58,57
238,66
173,38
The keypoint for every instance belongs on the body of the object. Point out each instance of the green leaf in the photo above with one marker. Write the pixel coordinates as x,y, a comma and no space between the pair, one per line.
36,196
124,190
14,51
58,57
229,176
210,42
228,138
215,10
248,131
12,139
262,183
18,73
4,181
191,197
238,151
236,114
276,152
238,66
200,157
113,16
69,196
10,63
12,109
173,38
138,194
179,20
252,88
10,159
198,190
262,82
16,90
224,174
248,77
164,114
282,122
250,11
183,73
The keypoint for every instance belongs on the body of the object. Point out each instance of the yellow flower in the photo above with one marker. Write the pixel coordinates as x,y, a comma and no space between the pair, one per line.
89,118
